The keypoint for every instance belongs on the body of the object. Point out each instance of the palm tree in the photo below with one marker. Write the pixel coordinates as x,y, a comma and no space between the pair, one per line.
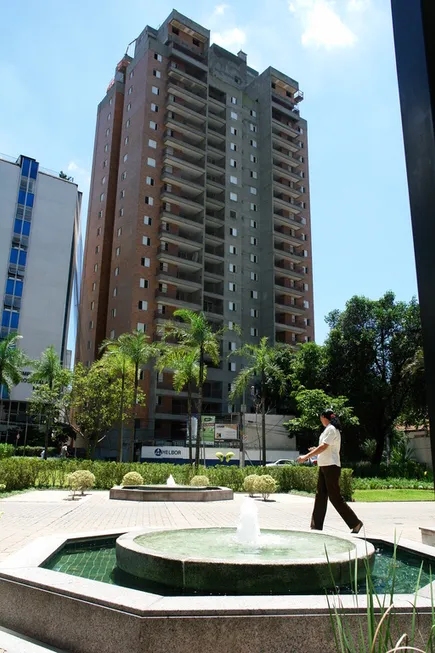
12,361
49,371
137,348
119,363
185,366
195,333
262,366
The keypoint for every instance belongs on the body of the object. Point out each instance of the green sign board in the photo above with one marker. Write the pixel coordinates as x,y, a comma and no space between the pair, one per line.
208,425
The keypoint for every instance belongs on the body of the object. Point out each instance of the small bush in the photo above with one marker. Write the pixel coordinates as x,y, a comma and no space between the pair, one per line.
2,487
265,485
132,478
6,450
81,480
249,484
199,481
35,452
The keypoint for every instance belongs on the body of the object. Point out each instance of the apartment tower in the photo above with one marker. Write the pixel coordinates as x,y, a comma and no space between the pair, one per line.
199,199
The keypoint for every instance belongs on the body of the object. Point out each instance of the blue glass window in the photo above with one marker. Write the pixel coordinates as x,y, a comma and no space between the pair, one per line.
22,258
26,228
25,167
21,197
18,288
10,286
34,170
14,256
15,319
4,392
29,199
18,226
6,316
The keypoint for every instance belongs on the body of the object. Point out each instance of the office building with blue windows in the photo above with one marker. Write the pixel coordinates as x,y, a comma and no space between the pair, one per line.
39,227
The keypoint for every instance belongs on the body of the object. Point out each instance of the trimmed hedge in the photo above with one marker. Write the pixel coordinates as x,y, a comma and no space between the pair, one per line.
19,473
391,483
6,451
32,452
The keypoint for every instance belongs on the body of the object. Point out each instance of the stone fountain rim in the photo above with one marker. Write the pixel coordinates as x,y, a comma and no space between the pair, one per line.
362,549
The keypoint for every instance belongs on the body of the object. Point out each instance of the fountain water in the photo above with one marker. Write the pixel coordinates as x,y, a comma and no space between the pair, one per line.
248,530
170,481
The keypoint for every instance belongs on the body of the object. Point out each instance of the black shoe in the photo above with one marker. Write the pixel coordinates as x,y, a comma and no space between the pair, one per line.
357,528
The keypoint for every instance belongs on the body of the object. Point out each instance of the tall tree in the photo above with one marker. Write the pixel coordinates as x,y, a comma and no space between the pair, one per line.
12,362
194,332
183,362
95,400
50,382
368,348
262,367
139,351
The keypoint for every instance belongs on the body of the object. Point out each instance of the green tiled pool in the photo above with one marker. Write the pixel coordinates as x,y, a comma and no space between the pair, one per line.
96,559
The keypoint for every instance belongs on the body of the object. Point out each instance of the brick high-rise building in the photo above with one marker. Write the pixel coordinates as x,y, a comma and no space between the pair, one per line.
199,199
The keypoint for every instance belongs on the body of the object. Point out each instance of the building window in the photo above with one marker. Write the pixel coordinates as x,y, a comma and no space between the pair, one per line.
252,190
125,157
233,197
254,312
152,143
91,324
99,231
253,206
254,294
234,115
230,326
158,57
254,332
113,312
154,107
147,220
163,288
175,31
253,113
129,106
117,251
94,286
232,346
254,241
233,163
107,131
97,249
106,148
253,224
115,292
157,74
92,306
155,90
253,158
89,344
142,305
122,194
146,241
231,306
96,267
130,90
143,283
233,231
124,175
153,125
145,262
121,213
233,131
233,250
254,276
305,286
233,100
233,147
254,174
232,287
105,163
254,258
233,214
196,43
253,143
232,267
150,181
128,123
233,180
306,303
252,127
149,200
232,367
102,197
103,181
116,272
151,162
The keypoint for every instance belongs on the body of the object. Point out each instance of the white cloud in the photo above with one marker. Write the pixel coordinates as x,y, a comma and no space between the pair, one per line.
81,175
230,38
322,25
219,10
358,5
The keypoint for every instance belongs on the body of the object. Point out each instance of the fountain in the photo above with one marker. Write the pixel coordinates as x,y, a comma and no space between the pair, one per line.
244,560
170,491
170,481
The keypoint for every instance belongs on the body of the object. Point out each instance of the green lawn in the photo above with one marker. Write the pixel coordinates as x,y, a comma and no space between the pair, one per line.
393,495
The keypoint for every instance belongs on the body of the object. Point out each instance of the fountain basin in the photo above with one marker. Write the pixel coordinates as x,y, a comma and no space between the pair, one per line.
211,560
170,493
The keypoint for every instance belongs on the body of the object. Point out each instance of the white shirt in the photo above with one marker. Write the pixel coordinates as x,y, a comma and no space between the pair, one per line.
331,456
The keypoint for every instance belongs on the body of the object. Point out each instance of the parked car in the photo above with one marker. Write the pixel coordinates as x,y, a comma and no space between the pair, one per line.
280,462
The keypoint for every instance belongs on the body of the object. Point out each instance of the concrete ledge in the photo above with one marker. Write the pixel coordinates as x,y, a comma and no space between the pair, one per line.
428,535
170,493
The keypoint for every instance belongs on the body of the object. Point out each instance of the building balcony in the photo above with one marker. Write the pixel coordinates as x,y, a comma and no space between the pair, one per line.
214,271
280,201
184,221
286,157
179,299
283,291
181,50
176,105
190,240
191,166
214,252
194,152
290,130
289,309
195,100
287,187
187,78
213,308
285,141
292,221
281,251
216,164
214,200
284,269
216,134
216,151
215,181
191,188
283,237
216,121
189,206
193,132
214,289
180,279
287,172
285,106
292,328
214,236
183,260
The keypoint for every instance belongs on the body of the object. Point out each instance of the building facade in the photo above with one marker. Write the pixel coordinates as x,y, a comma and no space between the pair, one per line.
199,199
39,225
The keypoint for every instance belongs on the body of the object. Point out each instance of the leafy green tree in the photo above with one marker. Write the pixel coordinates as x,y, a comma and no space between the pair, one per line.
261,367
12,362
309,367
95,400
415,411
310,404
185,366
51,382
370,345
195,333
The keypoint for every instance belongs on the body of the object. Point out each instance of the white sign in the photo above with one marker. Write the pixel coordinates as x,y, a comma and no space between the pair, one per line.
162,452
226,432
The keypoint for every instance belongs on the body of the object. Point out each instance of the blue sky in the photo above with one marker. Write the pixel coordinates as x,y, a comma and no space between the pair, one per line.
56,60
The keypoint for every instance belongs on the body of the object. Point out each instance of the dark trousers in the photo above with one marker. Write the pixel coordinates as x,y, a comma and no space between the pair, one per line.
328,486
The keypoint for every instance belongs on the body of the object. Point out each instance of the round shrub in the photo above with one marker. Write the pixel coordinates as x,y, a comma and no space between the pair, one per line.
132,478
199,481
249,484
80,480
265,485
2,487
